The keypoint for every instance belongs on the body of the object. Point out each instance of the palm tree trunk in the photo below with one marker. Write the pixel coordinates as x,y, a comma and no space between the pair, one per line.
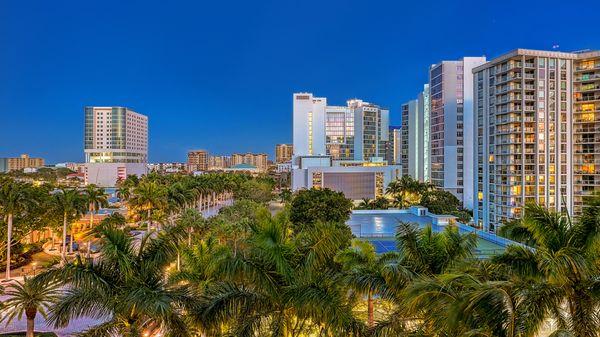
370,309
30,313
71,242
89,243
30,327
64,241
8,242
149,222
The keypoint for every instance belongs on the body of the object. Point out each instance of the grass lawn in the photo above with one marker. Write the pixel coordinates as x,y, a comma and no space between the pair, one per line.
37,334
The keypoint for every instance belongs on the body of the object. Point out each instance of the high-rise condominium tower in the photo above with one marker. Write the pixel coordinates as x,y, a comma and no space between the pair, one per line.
451,126
358,131
537,122
409,138
393,146
415,137
115,144
283,153
197,160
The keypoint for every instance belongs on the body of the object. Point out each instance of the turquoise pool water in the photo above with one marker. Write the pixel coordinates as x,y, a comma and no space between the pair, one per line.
380,228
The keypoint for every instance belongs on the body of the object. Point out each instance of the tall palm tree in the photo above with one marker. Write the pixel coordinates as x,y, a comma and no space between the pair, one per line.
146,198
14,200
282,284
565,258
96,199
370,273
125,287
28,297
70,205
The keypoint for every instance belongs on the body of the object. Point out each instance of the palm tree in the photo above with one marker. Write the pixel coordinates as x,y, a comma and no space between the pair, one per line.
280,283
431,253
28,297
95,198
147,197
365,203
14,200
565,260
422,254
407,191
125,287
70,204
481,299
370,273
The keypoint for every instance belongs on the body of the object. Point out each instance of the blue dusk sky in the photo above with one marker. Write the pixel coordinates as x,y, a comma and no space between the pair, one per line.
219,75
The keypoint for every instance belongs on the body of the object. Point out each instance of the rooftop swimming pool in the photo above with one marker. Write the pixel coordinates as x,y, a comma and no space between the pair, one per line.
379,227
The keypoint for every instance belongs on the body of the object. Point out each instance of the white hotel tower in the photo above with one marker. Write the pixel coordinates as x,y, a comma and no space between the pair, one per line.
115,144
341,147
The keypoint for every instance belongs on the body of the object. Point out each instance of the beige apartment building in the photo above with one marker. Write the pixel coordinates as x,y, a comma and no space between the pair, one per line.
20,163
197,160
260,160
536,133
283,153
216,163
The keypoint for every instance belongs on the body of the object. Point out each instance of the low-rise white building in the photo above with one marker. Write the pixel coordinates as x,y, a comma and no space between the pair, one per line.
365,180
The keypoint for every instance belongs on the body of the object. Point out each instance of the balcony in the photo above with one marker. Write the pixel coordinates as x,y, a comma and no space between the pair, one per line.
587,77
587,130
586,140
587,99
587,68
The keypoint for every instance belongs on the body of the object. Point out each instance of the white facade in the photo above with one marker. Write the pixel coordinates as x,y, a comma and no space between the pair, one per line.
309,125
410,139
451,126
356,181
107,174
414,153
115,144
357,131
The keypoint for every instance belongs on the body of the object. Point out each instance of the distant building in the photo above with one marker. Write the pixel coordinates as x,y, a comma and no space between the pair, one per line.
357,131
243,167
414,137
20,163
115,144
284,167
283,153
216,163
392,152
260,160
77,167
167,167
197,160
